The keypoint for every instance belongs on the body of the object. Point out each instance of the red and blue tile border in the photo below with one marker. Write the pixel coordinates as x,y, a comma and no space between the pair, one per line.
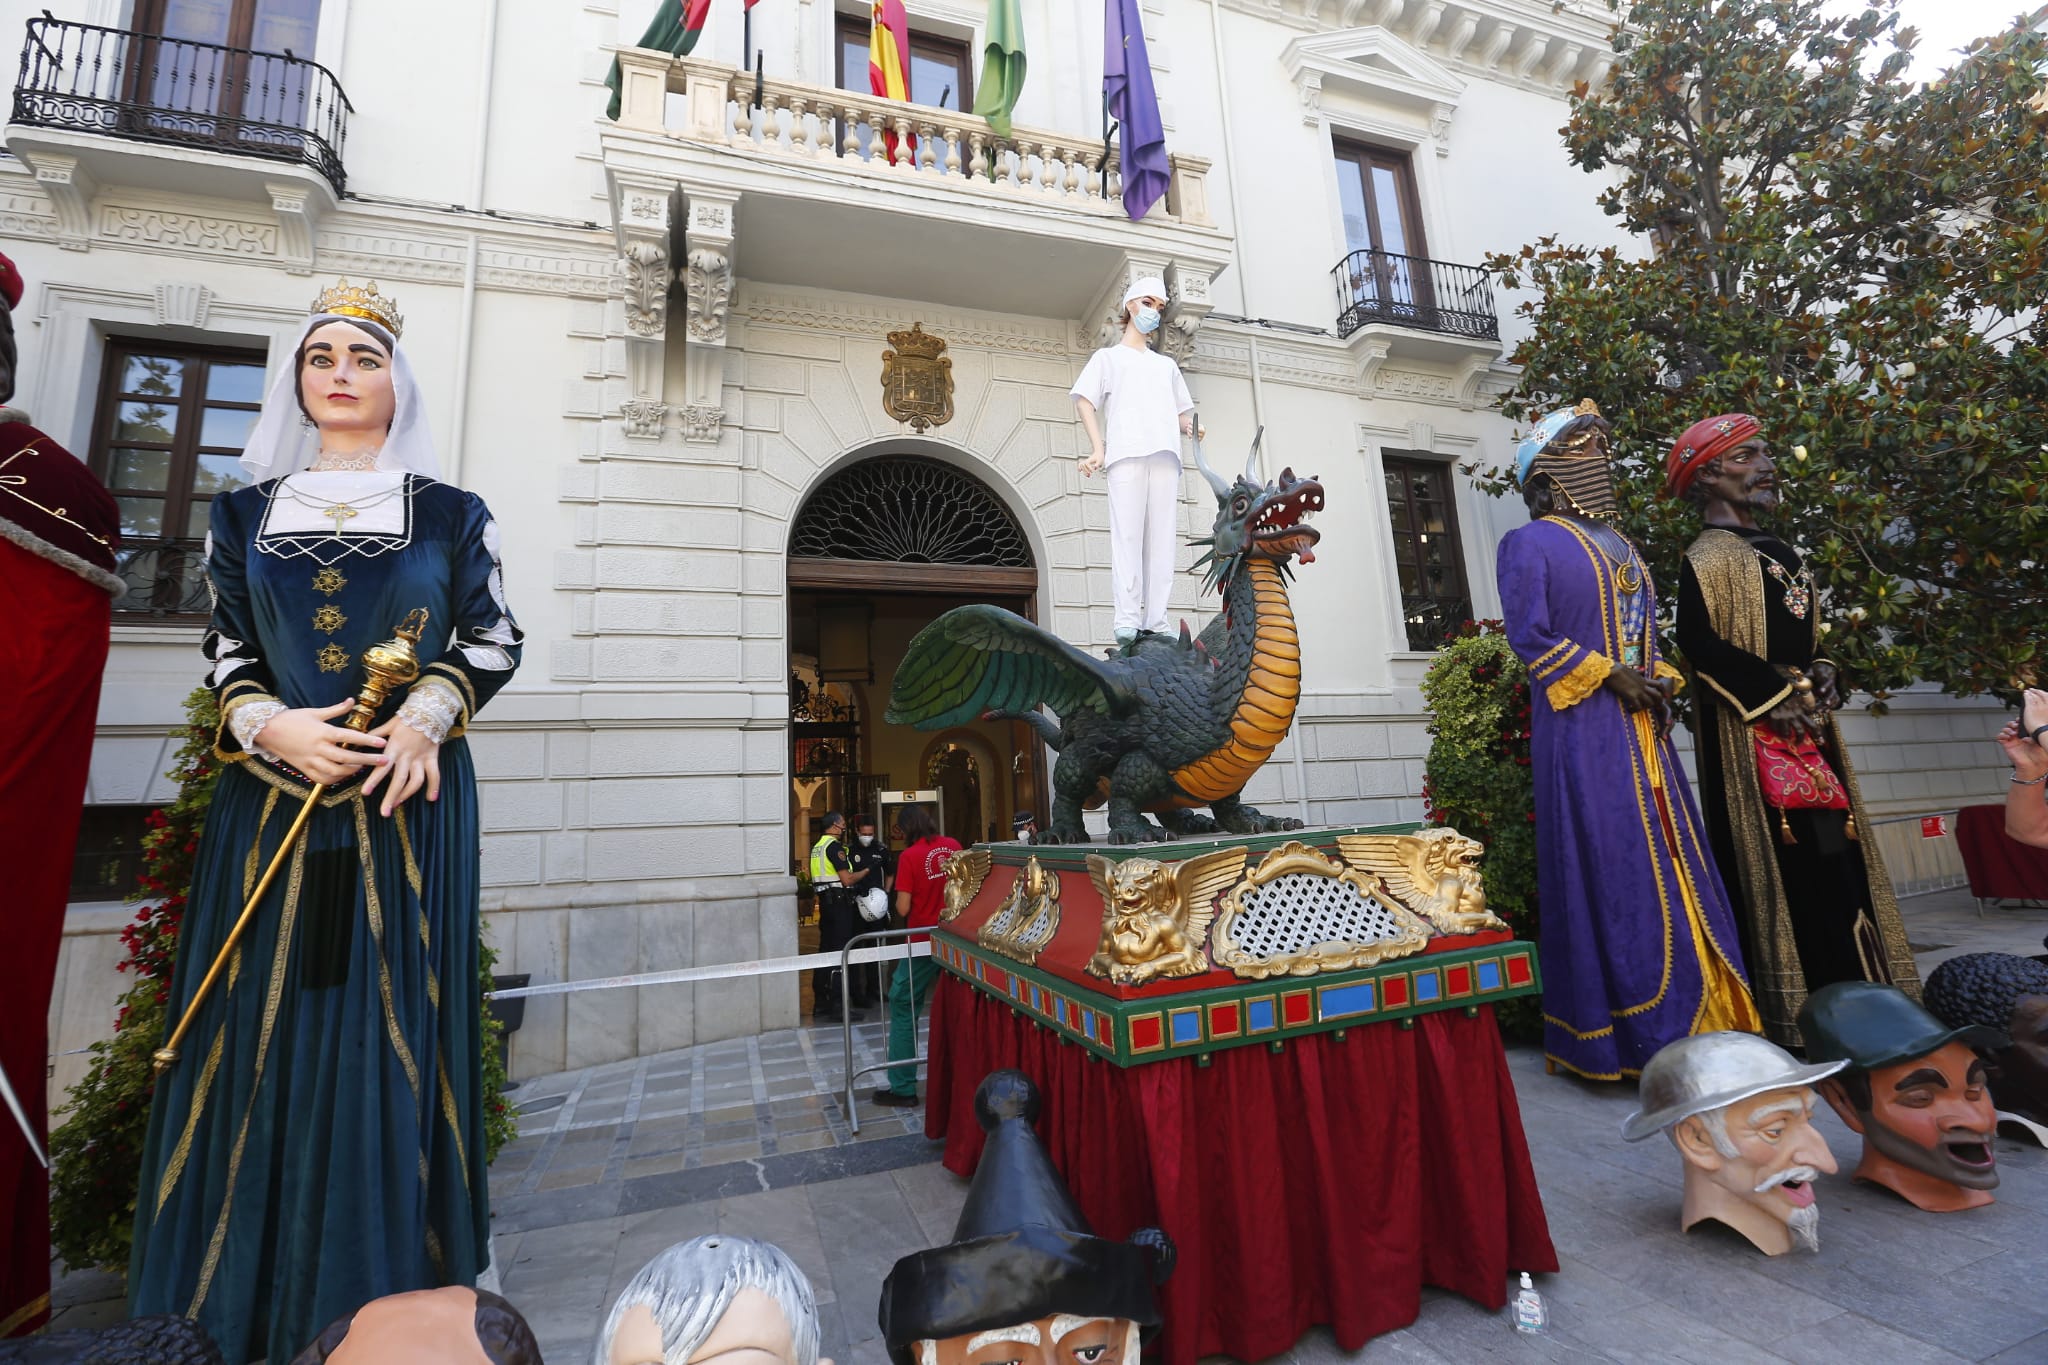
1245,1013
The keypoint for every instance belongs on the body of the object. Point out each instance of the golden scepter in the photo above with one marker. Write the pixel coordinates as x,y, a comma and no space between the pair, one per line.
389,666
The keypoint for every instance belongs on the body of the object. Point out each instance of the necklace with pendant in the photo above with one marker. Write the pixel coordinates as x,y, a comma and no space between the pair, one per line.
1798,588
1628,573
341,510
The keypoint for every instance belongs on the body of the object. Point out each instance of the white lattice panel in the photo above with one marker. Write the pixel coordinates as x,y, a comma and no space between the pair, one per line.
1299,910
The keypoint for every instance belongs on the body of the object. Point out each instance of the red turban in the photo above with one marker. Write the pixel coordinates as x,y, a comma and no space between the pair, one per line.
10,284
1703,441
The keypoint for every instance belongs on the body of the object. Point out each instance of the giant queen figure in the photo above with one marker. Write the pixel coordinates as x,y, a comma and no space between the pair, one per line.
319,1141
1639,946
1775,782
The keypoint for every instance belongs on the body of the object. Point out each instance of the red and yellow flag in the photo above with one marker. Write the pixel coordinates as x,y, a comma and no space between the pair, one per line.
889,51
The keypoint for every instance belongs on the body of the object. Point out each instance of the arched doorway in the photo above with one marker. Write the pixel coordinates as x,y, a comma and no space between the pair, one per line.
877,551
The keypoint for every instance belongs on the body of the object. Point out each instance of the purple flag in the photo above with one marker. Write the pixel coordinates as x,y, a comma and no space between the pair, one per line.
1127,87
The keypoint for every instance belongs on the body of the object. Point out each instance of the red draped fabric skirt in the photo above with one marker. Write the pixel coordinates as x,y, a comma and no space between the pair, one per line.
1323,1184
50,670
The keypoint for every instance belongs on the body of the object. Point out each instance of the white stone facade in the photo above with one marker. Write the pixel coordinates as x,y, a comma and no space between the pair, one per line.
645,443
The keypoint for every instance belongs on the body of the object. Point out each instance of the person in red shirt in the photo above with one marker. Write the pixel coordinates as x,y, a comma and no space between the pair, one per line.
920,895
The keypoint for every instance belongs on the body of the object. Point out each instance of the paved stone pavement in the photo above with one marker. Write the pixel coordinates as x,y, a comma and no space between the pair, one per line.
748,1136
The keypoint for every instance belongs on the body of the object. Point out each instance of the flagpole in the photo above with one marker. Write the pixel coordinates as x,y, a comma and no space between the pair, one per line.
747,34
1108,131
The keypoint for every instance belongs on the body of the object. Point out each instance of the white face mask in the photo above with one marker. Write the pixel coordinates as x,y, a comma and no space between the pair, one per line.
867,839
1147,318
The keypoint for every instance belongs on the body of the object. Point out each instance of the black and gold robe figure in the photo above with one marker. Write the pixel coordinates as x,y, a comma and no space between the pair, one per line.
1819,909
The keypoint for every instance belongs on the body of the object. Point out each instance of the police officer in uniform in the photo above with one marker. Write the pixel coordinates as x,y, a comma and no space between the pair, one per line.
832,879
875,868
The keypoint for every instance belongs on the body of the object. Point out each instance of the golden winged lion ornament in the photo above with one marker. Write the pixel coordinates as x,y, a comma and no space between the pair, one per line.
1434,873
965,872
1155,916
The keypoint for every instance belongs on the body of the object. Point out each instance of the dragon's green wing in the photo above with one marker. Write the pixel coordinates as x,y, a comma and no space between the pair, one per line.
978,658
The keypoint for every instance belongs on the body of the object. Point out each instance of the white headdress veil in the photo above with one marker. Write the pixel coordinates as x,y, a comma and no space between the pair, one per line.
283,444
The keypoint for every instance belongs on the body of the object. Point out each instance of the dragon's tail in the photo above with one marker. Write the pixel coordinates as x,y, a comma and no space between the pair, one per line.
1048,729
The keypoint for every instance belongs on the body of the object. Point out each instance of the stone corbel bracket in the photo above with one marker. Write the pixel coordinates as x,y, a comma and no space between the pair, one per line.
299,209
711,222
71,188
1188,305
1104,318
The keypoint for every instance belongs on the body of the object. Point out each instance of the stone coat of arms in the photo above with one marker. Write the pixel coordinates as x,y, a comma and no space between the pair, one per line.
917,379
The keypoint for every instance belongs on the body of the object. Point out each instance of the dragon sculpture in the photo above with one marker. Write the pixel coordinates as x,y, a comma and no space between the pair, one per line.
1163,725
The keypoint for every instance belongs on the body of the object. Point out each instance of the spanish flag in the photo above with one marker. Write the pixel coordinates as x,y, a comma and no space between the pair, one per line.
889,62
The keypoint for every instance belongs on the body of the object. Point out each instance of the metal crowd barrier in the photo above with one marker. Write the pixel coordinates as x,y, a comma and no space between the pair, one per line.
910,950
1920,864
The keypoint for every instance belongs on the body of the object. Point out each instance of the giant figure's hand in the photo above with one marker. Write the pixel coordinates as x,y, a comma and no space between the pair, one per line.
1637,692
1827,684
413,758
304,739
1792,720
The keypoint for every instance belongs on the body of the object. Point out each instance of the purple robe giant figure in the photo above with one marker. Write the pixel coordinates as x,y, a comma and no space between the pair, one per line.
1638,943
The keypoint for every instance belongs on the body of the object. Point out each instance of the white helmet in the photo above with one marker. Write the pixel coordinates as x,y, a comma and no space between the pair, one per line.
874,905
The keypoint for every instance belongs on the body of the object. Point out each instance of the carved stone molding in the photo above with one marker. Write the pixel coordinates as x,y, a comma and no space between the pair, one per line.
701,423
707,288
182,305
192,232
862,317
643,418
643,265
1188,304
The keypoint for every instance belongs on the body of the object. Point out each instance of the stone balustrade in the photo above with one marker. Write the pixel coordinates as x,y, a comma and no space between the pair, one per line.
861,134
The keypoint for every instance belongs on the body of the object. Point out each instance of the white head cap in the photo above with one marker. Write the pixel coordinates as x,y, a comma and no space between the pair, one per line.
1150,286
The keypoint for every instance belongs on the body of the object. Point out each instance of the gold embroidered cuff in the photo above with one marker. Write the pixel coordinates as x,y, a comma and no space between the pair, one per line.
1665,670
1581,683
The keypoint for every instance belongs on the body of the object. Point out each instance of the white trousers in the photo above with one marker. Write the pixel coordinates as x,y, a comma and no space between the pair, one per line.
1143,492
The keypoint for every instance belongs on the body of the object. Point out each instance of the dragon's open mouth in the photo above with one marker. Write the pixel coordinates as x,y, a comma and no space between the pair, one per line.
1281,529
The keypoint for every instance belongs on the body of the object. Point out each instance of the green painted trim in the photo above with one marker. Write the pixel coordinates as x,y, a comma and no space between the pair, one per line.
1329,1000
1074,857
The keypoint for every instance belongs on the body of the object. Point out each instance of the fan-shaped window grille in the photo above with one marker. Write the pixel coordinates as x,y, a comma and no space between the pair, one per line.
909,510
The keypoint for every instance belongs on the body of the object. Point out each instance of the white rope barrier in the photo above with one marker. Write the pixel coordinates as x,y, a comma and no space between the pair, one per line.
722,971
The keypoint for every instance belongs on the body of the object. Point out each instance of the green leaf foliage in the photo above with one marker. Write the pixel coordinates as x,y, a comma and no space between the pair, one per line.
1477,778
1859,262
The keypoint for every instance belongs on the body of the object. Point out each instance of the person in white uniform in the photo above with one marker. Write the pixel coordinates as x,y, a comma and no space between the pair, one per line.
1149,410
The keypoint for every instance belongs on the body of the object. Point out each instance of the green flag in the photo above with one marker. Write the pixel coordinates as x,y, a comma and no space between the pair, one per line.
1002,66
675,30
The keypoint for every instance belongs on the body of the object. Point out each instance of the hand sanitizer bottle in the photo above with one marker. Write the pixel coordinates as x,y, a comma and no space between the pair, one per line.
1529,1313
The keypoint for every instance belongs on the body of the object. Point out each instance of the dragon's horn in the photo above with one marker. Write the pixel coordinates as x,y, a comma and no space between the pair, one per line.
1251,461
1216,482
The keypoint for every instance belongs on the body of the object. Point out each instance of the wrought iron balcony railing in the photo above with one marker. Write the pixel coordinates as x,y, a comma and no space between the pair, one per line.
165,578
84,78
1410,291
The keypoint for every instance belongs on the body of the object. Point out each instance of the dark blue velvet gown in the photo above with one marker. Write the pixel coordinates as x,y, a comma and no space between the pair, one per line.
320,1143
1638,943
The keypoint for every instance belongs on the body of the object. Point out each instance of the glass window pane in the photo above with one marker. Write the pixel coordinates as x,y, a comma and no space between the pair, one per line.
1351,195
226,427
159,376
200,21
1386,194
141,518
1410,581
853,64
140,469
196,519
930,76
145,422
285,26
234,383
217,474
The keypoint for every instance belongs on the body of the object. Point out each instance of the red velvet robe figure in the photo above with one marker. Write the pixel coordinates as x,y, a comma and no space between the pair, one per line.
58,530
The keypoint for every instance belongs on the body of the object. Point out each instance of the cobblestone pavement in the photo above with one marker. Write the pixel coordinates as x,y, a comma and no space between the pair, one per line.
616,1162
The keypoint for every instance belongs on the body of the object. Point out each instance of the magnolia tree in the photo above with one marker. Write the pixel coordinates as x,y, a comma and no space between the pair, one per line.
1860,262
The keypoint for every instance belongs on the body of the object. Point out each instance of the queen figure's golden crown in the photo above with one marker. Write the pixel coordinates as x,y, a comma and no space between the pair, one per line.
350,301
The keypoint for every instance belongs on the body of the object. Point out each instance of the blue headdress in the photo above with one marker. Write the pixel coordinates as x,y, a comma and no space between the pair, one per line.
1540,436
